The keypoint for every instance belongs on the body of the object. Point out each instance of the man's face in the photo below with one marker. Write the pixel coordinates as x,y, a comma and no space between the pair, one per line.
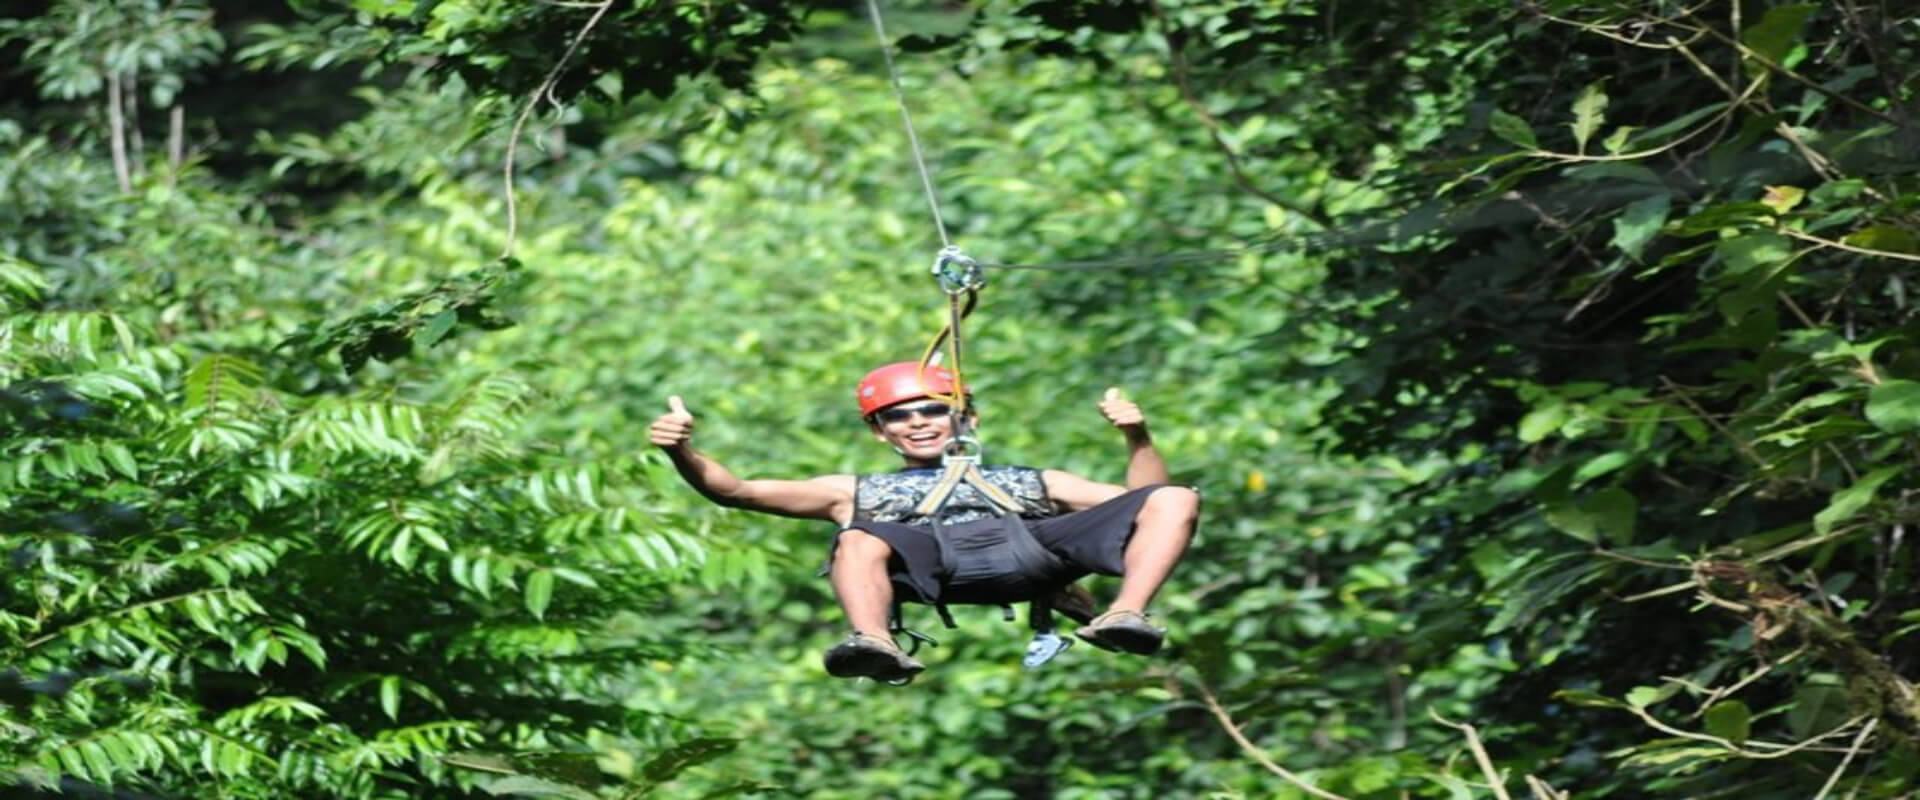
918,429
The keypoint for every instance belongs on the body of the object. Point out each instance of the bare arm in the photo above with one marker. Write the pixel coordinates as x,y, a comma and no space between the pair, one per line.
829,497
1075,493
1145,466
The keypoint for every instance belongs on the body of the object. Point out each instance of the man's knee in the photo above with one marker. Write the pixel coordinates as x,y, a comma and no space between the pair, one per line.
859,545
1172,501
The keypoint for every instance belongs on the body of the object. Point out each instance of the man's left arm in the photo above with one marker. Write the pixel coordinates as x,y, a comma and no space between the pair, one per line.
1145,466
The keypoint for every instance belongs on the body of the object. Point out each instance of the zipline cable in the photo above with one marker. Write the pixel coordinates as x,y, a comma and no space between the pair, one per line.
906,117
1374,233
958,275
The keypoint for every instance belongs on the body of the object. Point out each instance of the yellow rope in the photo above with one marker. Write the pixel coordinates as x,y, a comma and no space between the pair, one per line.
950,334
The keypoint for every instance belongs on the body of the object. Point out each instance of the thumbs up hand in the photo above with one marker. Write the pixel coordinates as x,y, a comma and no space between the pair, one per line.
1120,411
674,428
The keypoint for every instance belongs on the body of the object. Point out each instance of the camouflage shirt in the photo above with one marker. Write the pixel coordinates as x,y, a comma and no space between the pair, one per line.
892,496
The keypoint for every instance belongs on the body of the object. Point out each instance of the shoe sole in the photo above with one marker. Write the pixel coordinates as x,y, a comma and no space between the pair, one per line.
1123,639
876,664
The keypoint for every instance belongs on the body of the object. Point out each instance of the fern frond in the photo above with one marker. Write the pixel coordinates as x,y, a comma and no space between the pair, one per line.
221,378
21,284
341,429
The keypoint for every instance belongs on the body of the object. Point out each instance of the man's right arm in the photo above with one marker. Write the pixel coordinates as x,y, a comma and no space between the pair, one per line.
828,497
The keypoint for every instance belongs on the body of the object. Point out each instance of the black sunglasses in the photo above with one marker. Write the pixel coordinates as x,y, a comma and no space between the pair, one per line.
904,413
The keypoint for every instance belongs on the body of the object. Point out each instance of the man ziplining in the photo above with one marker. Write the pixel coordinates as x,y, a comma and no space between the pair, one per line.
965,534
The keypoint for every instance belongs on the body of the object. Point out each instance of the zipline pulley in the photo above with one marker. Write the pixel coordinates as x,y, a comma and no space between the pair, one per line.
957,272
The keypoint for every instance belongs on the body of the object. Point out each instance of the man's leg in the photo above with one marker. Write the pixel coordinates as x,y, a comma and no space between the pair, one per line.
860,580
1161,531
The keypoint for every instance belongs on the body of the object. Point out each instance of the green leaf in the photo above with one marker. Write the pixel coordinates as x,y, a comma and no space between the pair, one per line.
1601,465
485,762
121,458
1589,112
1754,251
1607,515
1783,199
1542,422
1513,129
1848,502
1724,215
1775,33
1639,223
1817,708
1894,406
1616,142
221,378
665,766
1584,697
1888,238
529,786
1664,755
1644,696
539,592
390,696
438,327
1730,720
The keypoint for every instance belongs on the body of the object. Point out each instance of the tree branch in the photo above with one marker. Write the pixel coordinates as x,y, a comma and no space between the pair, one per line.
1177,54
1541,791
520,123
1480,756
1742,445
1776,68
1865,731
1865,251
1233,730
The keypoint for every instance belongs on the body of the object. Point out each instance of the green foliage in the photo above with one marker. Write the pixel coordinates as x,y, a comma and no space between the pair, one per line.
215,580
1540,371
74,45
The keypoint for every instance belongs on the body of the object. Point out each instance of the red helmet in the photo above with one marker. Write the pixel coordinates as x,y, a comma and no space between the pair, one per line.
894,383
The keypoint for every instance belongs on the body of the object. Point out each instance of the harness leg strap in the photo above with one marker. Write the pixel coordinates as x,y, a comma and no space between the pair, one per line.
897,627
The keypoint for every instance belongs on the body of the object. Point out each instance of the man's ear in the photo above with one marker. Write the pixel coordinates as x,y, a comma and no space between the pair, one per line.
874,427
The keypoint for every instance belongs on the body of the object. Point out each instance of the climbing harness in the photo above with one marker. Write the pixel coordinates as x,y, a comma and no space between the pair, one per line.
1024,559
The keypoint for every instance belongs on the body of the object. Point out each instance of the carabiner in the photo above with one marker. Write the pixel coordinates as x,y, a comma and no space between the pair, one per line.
959,447
957,272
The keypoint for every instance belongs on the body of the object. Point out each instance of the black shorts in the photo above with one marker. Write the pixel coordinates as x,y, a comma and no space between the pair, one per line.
1092,540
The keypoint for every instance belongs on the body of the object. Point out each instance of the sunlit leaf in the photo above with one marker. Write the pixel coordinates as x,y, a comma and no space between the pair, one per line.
1849,501
539,592
1589,113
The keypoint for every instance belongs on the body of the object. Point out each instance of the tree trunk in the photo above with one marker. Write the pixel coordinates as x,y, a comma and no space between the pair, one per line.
136,146
117,132
176,136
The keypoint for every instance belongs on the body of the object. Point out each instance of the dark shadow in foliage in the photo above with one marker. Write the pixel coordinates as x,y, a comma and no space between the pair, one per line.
76,789
390,331
578,774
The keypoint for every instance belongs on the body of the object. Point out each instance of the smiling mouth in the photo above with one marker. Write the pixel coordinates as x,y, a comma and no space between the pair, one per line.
923,438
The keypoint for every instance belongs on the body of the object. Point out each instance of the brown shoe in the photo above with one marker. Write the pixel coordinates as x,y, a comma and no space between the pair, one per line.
1123,631
864,655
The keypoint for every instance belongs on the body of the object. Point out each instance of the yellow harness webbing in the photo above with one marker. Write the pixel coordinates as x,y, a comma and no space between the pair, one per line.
964,469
